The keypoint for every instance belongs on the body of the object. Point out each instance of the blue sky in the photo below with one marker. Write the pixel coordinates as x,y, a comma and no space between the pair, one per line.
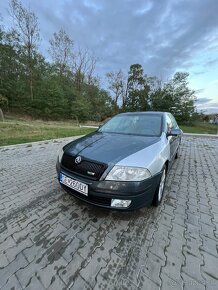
164,36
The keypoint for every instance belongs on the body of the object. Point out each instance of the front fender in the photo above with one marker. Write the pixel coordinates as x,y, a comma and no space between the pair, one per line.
153,157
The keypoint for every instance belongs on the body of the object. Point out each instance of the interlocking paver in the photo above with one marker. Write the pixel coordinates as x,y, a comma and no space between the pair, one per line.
152,268
12,283
210,265
6,272
50,240
91,270
69,273
3,261
191,284
79,284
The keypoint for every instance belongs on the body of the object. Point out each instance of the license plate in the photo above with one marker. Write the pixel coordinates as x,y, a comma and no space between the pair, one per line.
74,184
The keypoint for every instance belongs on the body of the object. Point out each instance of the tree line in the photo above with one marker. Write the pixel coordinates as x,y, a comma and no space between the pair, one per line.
67,86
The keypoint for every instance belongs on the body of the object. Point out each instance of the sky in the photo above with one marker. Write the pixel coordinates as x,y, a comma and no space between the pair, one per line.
164,36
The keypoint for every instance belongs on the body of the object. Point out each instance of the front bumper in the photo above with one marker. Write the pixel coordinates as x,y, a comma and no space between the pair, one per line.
101,193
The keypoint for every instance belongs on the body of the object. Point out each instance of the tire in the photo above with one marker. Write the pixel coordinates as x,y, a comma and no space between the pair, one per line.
160,189
177,153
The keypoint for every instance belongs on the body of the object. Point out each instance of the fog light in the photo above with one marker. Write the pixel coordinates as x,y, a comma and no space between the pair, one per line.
120,203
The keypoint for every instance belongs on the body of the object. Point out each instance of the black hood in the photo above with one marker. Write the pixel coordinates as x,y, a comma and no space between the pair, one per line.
108,147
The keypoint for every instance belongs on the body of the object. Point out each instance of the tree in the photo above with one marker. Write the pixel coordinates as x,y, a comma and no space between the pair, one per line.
182,98
51,102
137,89
28,32
100,102
161,98
61,51
83,67
12,72
84,84
117,85
173,96
80,109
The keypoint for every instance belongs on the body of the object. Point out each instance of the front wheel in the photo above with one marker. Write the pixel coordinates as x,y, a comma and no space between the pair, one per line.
177,153
160,189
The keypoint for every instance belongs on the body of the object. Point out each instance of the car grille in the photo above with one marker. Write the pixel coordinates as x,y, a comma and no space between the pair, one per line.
87,168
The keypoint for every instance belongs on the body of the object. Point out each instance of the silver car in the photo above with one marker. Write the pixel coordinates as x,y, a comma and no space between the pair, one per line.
123,165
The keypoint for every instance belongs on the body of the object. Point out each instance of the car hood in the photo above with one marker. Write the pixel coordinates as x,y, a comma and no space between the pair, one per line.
108,148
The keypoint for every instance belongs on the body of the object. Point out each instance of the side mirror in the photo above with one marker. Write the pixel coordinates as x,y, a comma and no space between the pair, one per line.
174,132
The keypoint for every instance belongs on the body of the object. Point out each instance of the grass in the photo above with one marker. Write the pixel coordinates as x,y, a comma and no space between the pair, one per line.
20,130
14,131
200,128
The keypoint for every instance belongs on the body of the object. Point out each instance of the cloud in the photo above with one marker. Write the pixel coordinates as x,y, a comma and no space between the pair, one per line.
214,82
202,101
212,62
208,107
200,91
198,73
161,35
210,110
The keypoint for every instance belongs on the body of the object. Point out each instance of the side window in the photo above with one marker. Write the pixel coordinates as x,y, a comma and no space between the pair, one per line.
175,125
169,122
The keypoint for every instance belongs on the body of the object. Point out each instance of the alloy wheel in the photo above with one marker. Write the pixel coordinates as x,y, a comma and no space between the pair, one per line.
161,186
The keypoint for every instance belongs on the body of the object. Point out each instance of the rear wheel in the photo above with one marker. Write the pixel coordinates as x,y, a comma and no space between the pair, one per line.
160,189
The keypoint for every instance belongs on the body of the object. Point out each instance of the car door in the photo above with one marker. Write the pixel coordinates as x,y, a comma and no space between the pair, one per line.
172,139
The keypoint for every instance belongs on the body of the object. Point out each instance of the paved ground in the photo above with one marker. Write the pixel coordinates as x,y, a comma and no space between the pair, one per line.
50,240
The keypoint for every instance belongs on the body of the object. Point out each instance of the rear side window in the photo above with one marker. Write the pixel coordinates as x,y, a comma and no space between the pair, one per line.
169,122
174,123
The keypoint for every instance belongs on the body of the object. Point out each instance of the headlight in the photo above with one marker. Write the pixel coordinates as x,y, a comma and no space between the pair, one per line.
125,173
60,155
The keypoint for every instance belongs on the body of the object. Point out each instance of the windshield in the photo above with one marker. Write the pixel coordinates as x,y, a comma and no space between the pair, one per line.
134,124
